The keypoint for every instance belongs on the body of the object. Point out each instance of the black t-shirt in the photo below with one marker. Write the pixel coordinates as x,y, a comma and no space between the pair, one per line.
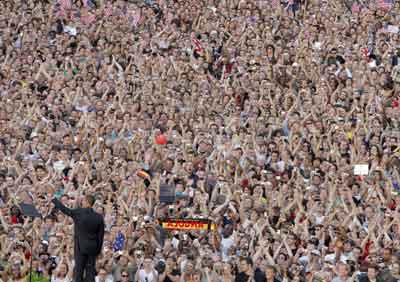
242,277
259,276
174,272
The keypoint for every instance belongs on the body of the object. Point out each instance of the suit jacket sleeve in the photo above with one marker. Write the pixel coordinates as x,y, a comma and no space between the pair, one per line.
62,208
100,235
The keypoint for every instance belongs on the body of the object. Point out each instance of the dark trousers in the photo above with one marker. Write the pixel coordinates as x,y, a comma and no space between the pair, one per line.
85,268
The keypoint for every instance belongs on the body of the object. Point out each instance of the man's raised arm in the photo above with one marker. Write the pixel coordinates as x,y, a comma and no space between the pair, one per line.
60,206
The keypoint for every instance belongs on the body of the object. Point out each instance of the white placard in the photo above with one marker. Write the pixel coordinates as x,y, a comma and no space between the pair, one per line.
361,169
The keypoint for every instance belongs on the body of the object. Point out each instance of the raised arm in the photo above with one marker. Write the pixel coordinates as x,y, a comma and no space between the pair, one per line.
62,208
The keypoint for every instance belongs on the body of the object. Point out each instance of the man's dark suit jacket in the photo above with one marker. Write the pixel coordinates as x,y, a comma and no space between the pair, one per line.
88,228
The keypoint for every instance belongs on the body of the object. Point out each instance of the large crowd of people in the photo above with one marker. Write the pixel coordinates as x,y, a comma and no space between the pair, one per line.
278,121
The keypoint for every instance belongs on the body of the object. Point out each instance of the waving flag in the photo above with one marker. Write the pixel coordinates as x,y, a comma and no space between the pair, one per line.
119,242
197,43
365,53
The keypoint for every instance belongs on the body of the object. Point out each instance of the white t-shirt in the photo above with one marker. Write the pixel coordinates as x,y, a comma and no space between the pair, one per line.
226,244
150,276
57,279
109,278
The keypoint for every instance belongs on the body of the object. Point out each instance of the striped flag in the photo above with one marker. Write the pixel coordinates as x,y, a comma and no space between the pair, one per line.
385,5
365,53
119,242
197,43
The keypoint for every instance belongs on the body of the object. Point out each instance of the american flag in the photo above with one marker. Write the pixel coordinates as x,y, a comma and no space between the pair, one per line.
197,43
384,4
119,242
355,8
365,53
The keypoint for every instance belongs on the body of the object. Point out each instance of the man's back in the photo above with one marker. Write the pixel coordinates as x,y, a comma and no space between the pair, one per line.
88,228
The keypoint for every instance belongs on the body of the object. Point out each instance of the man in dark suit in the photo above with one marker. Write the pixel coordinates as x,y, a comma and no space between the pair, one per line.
89,234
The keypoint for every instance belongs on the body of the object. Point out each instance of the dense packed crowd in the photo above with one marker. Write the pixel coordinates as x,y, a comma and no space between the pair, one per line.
279,121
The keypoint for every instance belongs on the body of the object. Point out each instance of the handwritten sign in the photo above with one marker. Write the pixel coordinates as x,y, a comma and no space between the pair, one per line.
361,169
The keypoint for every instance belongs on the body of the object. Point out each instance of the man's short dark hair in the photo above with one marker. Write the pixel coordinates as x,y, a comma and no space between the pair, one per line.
90,199
248,260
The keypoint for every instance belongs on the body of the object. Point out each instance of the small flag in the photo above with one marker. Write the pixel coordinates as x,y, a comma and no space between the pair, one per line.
197,43
119,242
365,53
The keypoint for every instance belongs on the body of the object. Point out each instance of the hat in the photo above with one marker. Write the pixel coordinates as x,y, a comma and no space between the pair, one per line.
236,147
